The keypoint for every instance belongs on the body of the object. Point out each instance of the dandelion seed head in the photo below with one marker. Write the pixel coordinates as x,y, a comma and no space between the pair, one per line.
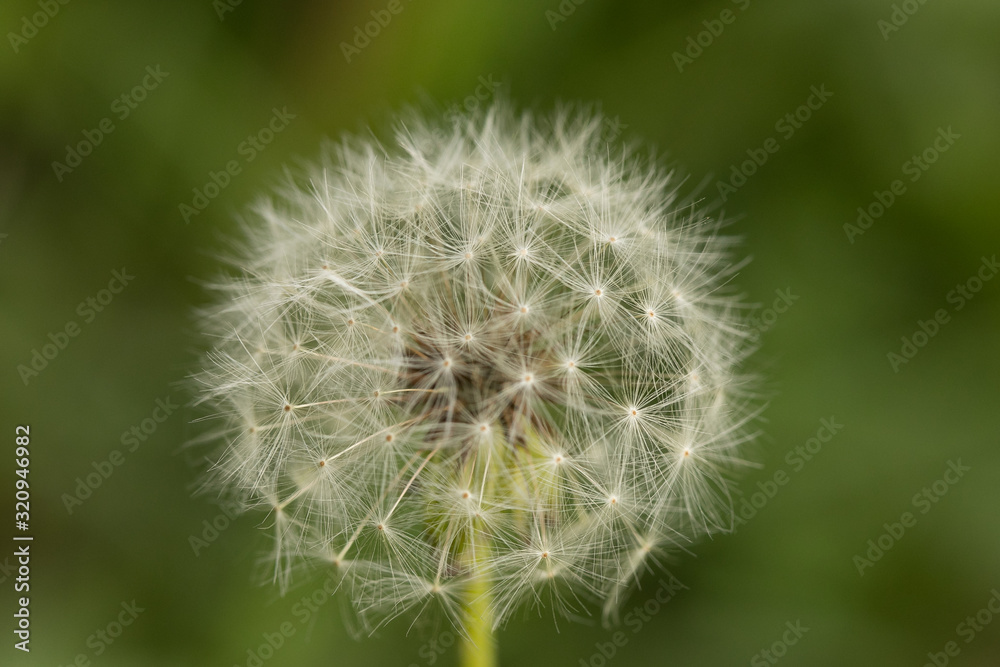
519,362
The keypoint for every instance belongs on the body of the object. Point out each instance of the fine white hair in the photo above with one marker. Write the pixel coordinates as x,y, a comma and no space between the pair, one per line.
494,349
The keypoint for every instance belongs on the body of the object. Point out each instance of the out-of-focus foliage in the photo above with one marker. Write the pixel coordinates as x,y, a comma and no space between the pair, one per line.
213,82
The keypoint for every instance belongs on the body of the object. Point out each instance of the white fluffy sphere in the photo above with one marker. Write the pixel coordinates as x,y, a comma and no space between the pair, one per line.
498,355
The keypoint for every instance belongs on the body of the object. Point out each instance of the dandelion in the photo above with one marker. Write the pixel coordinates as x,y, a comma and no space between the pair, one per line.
494,366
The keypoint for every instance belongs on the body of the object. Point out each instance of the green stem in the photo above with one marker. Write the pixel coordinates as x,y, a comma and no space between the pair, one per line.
479,648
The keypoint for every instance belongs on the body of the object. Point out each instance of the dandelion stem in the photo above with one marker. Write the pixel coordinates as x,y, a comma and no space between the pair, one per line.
479,648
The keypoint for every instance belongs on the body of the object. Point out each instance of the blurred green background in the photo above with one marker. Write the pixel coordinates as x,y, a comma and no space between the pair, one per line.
63,234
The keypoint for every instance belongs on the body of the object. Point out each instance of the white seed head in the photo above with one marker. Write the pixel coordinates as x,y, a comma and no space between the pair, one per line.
503,351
